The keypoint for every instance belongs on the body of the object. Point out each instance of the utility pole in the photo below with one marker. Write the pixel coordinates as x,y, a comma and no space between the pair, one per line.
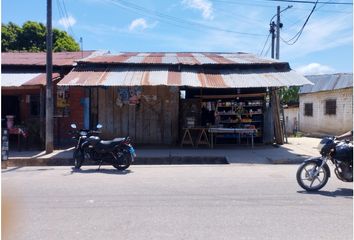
275,31
278,33
82,47
49,87
272,31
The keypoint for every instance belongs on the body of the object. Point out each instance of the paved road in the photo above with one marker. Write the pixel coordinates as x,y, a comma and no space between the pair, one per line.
235,201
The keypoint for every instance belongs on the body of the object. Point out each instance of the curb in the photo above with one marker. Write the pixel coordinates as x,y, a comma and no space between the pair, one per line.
287,161
176,160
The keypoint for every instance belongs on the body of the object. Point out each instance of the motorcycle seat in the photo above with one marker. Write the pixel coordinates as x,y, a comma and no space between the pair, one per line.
111,142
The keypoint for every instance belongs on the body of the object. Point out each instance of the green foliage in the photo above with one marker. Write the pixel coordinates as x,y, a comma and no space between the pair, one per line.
10,33
31,37
290,94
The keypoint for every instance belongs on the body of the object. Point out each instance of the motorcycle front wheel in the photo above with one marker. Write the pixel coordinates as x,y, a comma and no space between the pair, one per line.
78,159
123,162
311,176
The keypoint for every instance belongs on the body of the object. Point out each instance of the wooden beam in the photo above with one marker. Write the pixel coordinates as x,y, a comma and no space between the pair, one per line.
248,95
278,131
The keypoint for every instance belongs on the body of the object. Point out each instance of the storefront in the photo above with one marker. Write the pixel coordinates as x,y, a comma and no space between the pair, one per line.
182,98
223,116
23,84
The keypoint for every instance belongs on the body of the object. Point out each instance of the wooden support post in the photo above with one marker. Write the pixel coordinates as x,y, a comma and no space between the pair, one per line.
276,118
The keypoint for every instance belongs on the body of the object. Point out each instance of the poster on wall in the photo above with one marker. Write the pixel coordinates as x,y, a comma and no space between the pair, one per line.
129,95
63,101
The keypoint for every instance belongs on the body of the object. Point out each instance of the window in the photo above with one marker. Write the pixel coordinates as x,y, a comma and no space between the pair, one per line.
34,105
308,109
330,107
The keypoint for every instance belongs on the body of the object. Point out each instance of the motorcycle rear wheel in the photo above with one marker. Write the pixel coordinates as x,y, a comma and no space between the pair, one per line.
78,159
125,163
308,179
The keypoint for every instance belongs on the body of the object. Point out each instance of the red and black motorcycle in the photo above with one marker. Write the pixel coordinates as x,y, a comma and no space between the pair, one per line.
118,152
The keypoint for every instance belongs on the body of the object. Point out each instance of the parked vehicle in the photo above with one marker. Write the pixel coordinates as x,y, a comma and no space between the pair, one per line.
314,173
119,152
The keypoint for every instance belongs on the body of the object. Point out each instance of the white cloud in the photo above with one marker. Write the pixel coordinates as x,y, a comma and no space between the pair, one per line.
314,69
67,22
140,24
204,5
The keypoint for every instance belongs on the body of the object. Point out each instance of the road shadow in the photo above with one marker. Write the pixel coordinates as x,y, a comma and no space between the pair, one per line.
340,192
10,169
102,170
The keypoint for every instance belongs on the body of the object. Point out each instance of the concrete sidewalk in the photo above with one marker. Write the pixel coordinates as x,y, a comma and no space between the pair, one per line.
294,152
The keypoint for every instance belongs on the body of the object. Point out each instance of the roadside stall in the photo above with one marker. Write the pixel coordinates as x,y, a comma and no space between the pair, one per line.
186,99
224,116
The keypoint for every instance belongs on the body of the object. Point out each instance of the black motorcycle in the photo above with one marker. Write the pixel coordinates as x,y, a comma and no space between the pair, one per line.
119,152
314,173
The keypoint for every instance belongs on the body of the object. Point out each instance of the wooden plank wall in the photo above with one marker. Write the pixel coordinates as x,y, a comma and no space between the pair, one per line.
153,121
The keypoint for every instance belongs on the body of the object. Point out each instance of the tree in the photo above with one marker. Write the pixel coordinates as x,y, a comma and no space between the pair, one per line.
31,37
9,38
290,94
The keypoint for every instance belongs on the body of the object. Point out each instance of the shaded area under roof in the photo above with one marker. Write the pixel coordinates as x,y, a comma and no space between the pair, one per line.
327,82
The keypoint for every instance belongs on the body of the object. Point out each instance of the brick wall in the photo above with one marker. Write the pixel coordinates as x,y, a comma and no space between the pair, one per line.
322,124
62,124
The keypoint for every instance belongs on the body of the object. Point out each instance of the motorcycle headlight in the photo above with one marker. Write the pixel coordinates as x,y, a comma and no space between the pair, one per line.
83,133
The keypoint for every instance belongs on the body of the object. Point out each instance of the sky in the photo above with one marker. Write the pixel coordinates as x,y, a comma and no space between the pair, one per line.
324,46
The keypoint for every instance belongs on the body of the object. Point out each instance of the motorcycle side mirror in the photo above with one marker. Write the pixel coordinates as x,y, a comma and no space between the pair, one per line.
99,126
73,125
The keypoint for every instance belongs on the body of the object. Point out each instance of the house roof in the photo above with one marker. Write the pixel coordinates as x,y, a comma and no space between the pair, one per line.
207,70
327,82
25,79
39,58
180,58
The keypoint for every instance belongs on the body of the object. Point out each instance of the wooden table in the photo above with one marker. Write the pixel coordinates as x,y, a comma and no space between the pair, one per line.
213,131
202,138
19,132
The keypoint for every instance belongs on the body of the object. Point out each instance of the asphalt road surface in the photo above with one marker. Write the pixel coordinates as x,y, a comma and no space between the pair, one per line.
235,201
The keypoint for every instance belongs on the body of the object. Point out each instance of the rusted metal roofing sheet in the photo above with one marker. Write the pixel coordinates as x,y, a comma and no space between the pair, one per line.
39,58
25,79
194,77
184,58
16,80
327,82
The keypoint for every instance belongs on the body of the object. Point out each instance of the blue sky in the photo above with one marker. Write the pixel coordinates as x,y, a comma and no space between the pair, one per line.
325,46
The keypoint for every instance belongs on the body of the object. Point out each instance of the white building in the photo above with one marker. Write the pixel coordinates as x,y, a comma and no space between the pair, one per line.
326,108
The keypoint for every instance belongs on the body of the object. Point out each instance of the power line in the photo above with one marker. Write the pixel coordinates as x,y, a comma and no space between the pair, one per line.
266,53
272,6
311,2
298,34
265,44
316,10
174,20
64,15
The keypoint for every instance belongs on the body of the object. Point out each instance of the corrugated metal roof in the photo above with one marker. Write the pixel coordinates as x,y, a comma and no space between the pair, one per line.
24,79
185,76
16,80
39,58
327,82
184,58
